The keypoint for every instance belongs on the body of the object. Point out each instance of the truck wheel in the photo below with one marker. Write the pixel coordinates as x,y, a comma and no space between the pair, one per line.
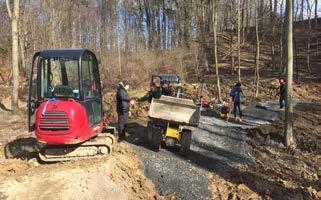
186,142
155,136
149,132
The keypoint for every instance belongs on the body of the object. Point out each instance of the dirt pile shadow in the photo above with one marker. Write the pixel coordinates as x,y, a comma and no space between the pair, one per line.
137,135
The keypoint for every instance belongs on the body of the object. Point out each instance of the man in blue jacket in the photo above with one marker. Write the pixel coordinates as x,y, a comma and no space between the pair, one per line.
236,93
123,105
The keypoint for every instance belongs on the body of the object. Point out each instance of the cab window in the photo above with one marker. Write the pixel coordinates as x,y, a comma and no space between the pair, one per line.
90,77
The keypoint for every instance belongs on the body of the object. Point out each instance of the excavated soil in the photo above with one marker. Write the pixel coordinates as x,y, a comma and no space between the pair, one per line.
228,160
118,176
278,172
139,109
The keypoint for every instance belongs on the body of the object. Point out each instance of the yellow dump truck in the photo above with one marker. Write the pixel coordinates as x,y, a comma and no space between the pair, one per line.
170,122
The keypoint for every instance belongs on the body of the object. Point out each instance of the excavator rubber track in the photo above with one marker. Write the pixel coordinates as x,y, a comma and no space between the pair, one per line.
100,146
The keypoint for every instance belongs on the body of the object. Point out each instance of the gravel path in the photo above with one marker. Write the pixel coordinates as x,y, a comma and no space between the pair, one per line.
217,146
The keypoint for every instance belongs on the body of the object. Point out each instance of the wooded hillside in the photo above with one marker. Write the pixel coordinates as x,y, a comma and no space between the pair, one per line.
135,36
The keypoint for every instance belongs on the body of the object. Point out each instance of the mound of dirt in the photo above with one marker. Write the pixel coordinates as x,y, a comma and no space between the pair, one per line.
139,109
294,173
109,106
306,129
116,177
222,189
311,91
279,172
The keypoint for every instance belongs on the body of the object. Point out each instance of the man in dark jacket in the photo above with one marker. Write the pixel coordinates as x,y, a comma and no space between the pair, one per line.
155,92
166,90
282,92
123,105
236,93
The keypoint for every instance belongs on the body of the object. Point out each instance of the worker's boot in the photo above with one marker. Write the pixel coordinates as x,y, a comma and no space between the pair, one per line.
121,136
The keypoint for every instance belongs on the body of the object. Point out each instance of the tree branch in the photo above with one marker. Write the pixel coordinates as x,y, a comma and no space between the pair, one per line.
9,9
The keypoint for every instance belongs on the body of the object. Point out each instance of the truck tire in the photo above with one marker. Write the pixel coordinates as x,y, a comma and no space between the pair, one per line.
155,136
149,132
186,140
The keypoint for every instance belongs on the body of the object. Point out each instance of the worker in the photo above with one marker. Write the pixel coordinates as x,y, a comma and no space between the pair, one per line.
225,109
123,105
166,89
201,90
282,92
235,94
155,92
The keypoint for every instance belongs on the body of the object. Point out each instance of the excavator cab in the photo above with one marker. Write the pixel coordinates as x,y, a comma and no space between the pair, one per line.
65,103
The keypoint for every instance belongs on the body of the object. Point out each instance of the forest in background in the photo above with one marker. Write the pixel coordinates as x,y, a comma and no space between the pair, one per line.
136,38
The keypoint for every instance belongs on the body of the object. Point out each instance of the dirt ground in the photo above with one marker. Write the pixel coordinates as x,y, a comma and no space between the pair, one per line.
279,172
118,176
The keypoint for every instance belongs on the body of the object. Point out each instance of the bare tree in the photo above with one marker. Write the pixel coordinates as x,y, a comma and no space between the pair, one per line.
309,11
239,39
231,32
281,38
302,10
14,16
272,24
288,104
215,51
316,14
257,54
119,55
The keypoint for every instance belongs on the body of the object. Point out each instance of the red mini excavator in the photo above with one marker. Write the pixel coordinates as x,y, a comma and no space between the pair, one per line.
65,106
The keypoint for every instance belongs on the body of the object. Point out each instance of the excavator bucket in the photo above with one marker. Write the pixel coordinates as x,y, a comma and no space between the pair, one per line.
173,109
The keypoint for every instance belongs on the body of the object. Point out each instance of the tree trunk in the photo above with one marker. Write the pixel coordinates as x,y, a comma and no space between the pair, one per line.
302,10
215,51
164,27
239,39
284,42
203,27
272,23
22,54
316,14
309,35
248,18
316,23
148,25
257,56
186,34
14,16
232,51
296,53
281,38
119,56
242,22
288,103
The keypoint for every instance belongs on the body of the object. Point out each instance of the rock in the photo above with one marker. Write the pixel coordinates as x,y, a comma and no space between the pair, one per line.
241,187
312,191
33,162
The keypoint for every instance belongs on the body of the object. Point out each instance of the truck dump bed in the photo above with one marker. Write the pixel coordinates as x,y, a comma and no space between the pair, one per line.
173,109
